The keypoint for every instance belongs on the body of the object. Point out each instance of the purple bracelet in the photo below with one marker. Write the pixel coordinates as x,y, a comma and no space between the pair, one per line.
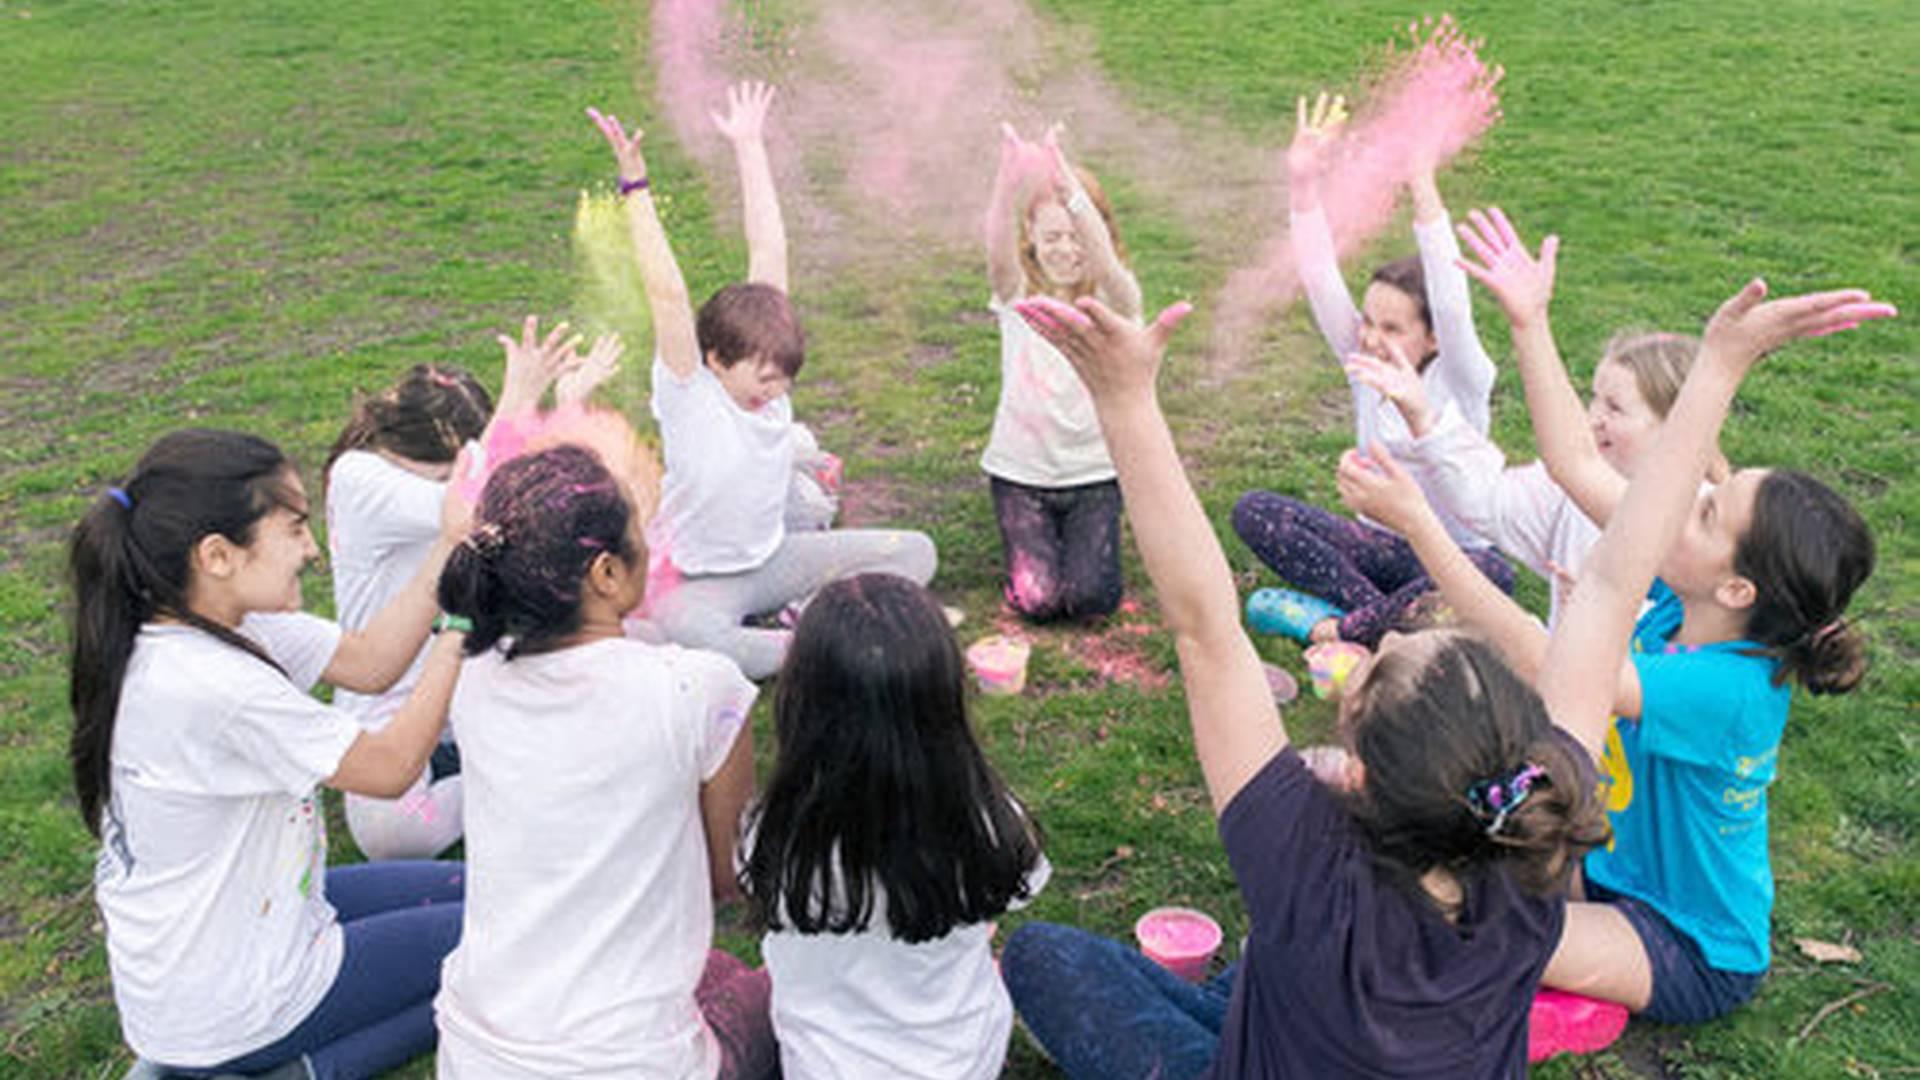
628,187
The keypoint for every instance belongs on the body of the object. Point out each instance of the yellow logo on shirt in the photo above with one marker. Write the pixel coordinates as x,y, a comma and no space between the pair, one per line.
1616,787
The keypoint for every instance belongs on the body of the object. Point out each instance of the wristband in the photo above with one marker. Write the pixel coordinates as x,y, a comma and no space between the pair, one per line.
444,621
628,187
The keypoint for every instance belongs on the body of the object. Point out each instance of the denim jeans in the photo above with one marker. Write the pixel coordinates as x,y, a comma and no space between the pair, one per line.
1103,1011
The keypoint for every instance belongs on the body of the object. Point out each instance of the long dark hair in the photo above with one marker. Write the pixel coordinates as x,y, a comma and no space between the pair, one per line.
129,560
1439,724
1806,552
543,519
427,416
880,789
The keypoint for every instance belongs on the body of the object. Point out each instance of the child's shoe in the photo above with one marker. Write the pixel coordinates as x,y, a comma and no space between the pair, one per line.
1563,1023
1285,611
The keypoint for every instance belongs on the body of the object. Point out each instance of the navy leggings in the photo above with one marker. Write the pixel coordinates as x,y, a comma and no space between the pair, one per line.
1062,547
400,919
1369,572
1104,1011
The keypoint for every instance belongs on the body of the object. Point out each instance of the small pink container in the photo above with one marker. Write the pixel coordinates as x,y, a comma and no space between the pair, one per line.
999,663
1563,1023
1179,939
1329,663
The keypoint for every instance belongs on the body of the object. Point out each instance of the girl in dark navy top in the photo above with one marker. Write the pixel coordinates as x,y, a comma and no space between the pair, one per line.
1399,927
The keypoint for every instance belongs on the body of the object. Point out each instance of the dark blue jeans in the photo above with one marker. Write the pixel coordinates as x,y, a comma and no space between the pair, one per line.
400,919
1104,1011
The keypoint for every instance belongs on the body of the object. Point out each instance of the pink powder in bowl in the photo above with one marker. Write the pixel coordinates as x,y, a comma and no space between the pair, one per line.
1179,939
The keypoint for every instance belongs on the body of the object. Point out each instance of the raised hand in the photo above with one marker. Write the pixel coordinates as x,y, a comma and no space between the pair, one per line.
583,373
1114,356
746,116
626,148
1375,485
1749,326
1314,136
1397,380
1522,283
533,363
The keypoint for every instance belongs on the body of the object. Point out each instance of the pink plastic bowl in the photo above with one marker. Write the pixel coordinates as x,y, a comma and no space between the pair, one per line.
1179,939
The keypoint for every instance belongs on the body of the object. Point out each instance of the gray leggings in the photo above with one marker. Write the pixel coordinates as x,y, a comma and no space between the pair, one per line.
704,611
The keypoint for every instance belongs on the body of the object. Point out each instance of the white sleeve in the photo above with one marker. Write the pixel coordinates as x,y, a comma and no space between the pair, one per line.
670,392
715,700
1465,474
1463,372
1327,295
302,644
280,739
379,505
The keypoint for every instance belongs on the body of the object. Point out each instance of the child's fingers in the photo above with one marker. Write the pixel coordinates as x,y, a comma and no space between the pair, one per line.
1300,113
1550,253
1508,233
1170,317
1065,314
1481,249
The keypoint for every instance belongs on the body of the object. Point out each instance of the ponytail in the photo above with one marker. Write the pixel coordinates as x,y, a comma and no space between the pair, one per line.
1806,552
1465,771
129,560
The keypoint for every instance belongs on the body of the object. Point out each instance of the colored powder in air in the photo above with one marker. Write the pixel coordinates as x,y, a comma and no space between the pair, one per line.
1433,98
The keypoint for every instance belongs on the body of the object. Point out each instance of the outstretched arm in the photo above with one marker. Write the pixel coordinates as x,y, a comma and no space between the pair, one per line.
1002,225
1590,640
1314,140
744,125
1524,287
673,329
1236,727
1113,281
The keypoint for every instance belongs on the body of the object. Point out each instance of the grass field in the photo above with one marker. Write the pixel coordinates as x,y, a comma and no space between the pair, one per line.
239,213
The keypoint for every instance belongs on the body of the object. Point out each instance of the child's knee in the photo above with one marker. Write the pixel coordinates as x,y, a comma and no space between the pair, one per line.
918,559
1255,513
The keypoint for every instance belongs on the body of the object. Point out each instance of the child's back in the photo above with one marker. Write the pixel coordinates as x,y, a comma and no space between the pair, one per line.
587,860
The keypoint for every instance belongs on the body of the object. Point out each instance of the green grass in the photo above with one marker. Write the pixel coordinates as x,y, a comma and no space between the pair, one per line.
242,213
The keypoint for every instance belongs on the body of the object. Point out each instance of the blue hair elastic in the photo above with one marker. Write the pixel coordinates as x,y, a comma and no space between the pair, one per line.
119,495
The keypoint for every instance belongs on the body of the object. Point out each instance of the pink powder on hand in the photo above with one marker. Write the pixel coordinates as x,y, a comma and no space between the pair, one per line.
1180,939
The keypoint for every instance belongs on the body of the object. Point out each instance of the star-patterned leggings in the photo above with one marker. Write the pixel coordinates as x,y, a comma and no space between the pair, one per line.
1372,574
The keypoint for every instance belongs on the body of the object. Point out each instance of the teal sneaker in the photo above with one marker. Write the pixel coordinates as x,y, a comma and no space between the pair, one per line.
1285,611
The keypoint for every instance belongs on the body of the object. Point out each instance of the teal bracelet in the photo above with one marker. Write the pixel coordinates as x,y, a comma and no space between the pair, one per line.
444,621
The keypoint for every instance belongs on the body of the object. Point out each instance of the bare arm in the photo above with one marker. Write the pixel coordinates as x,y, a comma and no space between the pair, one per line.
722,800
1590,641
1236,727
744,126
385,763
1115,283
1002,224
1524,287
667,296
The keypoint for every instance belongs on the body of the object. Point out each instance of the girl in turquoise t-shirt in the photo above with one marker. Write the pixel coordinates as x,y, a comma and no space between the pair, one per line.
1752,589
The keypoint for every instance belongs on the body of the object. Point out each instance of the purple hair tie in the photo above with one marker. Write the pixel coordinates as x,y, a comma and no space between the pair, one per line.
119,495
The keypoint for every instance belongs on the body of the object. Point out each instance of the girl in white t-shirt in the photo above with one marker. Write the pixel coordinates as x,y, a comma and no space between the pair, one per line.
722,549
1050,232
604,783
1522,510
196,753
386,478
884,849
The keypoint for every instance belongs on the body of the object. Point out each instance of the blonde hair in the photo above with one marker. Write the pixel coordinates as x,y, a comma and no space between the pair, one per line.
1036,279
1659,362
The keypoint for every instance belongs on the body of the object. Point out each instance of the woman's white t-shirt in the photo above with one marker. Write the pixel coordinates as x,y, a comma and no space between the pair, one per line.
868,1004
1045,432
723,501
589,905
211,876
382,522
